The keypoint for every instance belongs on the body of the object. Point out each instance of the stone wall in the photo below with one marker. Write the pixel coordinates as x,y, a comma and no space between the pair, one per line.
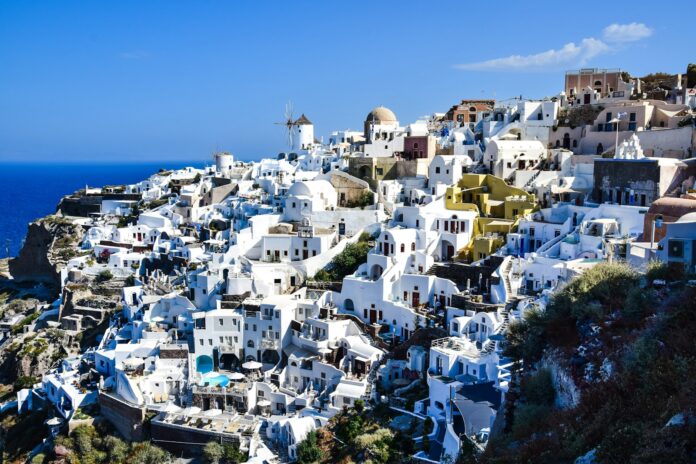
127,418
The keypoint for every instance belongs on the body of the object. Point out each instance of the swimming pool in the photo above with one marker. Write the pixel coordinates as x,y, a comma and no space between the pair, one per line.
214,379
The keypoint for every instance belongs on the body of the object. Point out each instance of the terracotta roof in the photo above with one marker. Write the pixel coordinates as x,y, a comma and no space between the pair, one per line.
303,121
672,207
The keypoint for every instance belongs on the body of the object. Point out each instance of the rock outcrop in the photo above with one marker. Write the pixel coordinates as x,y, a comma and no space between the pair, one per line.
49,244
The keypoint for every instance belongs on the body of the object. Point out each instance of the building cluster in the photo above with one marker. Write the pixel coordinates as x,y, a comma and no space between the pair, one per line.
472,217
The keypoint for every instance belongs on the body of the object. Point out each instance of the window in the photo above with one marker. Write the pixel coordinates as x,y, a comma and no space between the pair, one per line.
210,341
221,321
415,145
380,171
556,233
676,249
531,231
437,170
403,248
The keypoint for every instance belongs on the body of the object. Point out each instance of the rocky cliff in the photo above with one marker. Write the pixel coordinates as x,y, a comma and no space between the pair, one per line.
49,244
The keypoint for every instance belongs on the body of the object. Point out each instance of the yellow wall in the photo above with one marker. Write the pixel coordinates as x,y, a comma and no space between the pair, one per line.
500,206
475,192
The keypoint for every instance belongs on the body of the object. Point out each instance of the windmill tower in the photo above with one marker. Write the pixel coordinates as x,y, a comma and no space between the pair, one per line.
300,131
289,124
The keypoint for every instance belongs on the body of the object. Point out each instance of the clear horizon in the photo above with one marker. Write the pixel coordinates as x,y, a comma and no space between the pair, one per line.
140,81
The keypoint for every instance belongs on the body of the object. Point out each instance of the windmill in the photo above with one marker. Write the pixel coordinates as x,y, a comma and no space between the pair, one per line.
289,123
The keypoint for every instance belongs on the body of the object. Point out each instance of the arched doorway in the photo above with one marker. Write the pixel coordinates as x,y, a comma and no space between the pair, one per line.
229,361
600,148
270,357
348,305
447,251
566,141
204,364
376,272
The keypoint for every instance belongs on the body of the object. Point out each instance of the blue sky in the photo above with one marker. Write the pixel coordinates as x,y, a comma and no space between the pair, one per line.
169,80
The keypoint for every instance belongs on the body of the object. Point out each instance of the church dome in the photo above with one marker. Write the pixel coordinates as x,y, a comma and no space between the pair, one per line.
381,115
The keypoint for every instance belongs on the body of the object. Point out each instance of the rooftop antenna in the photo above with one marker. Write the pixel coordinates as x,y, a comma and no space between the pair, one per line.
289,122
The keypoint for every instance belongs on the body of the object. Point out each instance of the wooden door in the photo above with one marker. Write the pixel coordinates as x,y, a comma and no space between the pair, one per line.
415,297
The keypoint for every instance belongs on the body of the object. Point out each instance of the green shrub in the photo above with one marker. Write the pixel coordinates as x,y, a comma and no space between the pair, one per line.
308,450
104,276
657,270
213,452
639,303
529,418
538,388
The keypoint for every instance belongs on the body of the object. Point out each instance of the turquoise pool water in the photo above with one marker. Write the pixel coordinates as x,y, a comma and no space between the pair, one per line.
216,380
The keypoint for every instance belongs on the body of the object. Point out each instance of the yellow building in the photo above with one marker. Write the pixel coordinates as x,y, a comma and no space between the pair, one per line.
500,207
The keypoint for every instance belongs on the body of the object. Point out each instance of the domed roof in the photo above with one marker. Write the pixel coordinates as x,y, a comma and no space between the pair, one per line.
381,115
673,207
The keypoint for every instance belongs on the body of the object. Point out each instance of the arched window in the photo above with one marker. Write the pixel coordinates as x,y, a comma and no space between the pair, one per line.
600,148
472,109
575,143
250,343
403,248
413,246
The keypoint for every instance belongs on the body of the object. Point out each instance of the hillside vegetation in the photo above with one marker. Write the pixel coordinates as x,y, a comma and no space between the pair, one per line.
608,373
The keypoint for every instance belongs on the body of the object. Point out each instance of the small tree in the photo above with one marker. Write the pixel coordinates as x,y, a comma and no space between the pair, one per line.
232,454
213,452
359,406
147,453
308,450
104,276
116,448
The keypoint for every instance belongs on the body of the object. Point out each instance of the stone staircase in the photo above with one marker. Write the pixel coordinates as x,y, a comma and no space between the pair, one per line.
531,180
505,275
489,345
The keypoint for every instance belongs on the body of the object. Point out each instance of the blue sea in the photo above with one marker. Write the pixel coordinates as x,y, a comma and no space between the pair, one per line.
33,190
